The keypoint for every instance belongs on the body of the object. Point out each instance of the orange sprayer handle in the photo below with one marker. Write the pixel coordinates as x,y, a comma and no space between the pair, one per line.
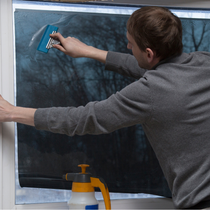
96,182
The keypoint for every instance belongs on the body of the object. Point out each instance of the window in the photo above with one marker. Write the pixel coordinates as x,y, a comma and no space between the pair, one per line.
53,79
7,162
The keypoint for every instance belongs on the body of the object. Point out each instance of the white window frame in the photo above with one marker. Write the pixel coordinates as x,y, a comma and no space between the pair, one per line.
7,173
7,130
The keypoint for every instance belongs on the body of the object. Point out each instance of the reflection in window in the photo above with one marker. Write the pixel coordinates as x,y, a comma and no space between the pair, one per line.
123,158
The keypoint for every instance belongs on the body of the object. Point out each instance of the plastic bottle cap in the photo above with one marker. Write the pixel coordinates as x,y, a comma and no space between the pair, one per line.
83,167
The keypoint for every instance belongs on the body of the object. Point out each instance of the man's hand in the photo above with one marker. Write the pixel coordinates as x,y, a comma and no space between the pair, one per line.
75,48
5,110
71,46
10,113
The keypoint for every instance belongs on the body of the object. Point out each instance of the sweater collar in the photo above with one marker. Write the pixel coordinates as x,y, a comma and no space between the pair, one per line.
167,60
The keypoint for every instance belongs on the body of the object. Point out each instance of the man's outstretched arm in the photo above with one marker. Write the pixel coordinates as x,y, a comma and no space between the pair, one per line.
70,46
76,49
10,113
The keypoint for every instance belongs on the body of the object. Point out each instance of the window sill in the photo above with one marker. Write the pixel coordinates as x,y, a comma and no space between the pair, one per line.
143,203
60,206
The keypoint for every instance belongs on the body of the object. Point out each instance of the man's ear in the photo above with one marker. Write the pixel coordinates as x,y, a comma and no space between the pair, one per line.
150,55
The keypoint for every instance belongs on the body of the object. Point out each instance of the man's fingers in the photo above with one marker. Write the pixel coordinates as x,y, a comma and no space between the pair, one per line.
59,47
57,36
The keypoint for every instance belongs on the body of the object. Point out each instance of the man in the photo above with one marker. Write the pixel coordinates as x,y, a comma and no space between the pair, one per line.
171,99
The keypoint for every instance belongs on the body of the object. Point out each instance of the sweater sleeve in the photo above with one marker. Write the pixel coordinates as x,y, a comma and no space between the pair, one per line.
128,107
124,64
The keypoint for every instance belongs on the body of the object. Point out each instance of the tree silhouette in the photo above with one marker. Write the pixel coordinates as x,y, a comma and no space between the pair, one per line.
195,35
124,157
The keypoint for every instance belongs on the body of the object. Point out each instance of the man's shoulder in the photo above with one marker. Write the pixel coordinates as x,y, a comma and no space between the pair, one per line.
197,54
190,59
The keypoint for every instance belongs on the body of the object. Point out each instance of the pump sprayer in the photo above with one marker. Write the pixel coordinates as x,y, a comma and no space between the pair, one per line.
83,193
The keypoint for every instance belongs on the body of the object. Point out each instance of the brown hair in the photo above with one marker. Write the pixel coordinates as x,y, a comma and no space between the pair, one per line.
158,29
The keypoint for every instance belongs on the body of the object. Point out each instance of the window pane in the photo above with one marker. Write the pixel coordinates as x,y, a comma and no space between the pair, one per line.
53,79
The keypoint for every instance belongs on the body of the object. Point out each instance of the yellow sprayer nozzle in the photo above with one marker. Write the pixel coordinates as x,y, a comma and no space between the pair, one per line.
83,167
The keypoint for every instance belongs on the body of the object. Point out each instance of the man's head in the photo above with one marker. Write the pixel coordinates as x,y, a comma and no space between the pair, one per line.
156,29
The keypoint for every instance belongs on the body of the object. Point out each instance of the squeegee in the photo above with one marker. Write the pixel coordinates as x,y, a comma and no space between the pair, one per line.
46,41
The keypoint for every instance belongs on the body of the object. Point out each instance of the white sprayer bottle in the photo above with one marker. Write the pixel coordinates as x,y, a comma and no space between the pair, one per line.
83,193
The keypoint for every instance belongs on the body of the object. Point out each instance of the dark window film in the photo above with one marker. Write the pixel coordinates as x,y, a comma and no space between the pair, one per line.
123,158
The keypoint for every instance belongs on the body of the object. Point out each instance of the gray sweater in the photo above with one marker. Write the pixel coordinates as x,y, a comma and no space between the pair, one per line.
171,101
